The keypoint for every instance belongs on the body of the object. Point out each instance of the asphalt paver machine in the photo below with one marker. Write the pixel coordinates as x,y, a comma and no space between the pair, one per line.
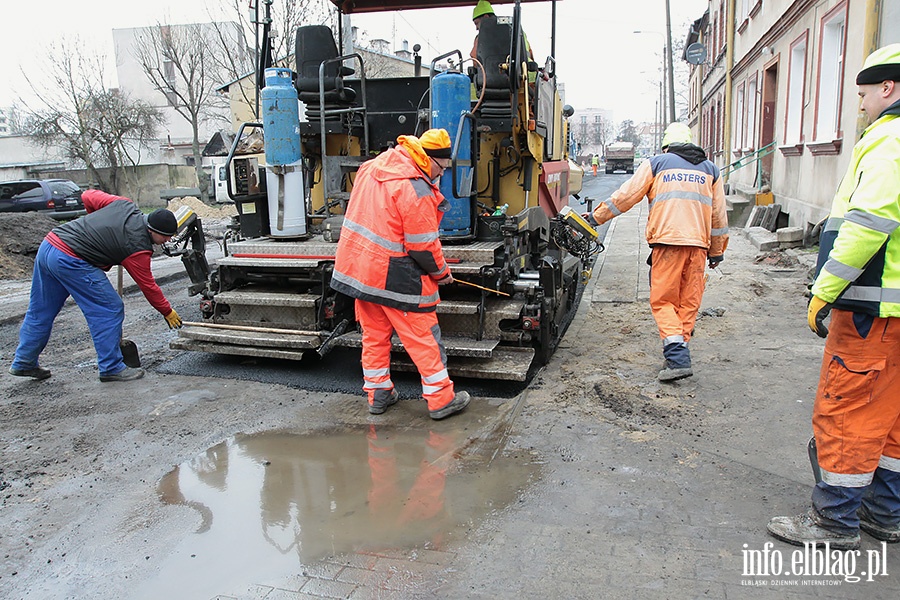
509,231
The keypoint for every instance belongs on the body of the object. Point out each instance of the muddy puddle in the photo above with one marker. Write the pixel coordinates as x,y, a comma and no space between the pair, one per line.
267,505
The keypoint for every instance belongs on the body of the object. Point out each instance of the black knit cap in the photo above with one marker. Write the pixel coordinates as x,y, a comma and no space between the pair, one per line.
163,222
438,152
881,65
879,73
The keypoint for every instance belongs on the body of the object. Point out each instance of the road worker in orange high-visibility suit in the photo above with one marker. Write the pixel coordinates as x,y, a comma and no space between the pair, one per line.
687,227
390,259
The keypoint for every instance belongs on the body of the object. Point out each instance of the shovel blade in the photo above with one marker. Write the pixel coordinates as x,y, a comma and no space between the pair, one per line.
814,458
130,353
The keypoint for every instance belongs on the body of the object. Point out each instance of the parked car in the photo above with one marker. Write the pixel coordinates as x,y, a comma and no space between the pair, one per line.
59,198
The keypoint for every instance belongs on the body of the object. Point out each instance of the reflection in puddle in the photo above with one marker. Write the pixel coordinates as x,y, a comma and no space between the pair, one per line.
269,503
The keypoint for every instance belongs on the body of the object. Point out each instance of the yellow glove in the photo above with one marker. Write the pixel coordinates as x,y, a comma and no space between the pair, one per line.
173,320
816,312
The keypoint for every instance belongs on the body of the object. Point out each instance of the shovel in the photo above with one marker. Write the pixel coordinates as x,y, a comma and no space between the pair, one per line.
129,348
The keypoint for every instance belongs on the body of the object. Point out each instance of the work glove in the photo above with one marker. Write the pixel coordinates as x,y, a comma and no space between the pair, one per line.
589,217
446,279
714,261
816,312
173,320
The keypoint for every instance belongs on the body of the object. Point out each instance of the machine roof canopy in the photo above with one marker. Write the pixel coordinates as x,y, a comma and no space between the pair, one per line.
366,6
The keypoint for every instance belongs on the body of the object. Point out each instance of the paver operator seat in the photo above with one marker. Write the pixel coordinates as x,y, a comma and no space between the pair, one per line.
494,44
313,45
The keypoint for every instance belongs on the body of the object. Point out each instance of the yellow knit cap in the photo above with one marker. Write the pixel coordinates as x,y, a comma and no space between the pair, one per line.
482,8
436,143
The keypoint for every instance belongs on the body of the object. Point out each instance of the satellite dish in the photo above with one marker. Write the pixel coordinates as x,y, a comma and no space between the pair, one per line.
695,53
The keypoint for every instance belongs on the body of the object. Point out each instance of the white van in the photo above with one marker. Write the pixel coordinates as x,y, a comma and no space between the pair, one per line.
220,183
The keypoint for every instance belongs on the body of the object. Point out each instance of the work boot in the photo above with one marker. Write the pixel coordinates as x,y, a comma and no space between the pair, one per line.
883,533
36,373
378,407
678,362
459,402
803,529
126,374
670,374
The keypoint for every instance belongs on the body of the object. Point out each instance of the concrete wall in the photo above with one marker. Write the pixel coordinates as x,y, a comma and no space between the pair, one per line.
18,151
890,17
142,183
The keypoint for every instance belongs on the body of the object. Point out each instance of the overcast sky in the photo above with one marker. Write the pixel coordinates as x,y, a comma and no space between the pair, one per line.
602,62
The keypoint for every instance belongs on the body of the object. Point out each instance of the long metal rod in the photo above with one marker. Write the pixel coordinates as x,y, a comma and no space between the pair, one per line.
475,285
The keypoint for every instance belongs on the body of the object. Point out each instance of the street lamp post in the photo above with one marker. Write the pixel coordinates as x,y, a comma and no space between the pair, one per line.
669,63
667,71
663,79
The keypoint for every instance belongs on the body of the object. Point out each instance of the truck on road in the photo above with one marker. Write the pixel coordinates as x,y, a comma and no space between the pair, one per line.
620,157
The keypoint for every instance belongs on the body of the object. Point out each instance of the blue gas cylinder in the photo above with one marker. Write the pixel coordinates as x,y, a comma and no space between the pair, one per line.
450,98
281,118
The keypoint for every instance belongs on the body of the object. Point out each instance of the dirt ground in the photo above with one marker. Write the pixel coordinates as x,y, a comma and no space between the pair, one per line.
20,236
81,459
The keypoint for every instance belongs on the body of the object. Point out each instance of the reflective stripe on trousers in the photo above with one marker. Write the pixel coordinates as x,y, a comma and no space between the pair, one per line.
420,335
856,416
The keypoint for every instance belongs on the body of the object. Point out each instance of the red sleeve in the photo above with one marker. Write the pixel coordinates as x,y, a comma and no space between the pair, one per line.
138,266
95,200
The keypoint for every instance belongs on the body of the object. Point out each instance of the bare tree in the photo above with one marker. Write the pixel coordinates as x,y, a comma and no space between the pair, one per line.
602,131
179,62
74,110
15,119
286,16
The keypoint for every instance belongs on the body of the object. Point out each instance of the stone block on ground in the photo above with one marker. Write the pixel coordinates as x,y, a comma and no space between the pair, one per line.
761,238
755,216
770,220
790,234
789,237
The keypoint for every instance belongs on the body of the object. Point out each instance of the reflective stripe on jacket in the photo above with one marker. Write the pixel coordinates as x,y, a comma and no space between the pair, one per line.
389,251
687,202
859,250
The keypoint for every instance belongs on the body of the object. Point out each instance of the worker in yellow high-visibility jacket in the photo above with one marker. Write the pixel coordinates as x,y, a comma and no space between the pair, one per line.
856,416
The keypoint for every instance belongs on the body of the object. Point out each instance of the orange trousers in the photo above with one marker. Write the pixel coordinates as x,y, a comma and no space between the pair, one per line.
594,167
856,416
420,335
425,498
676,289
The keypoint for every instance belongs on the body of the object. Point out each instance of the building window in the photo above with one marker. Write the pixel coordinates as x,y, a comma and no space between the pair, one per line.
721,26
739,122
751,112
743,16
831,74
793,130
